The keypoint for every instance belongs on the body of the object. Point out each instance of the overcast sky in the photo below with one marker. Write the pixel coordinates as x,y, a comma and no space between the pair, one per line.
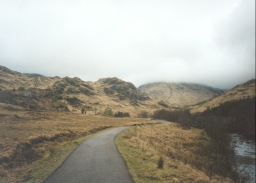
208,42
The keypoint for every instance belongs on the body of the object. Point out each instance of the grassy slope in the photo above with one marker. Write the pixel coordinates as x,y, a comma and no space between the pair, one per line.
241,91
34,143
180,149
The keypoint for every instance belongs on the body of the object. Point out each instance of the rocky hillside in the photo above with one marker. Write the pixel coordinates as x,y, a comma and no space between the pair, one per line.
123,90
35,91
179,94
13,80
243,90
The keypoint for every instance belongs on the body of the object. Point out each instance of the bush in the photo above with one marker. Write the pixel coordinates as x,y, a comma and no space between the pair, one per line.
108,111
73,100
21,88
56,98
83,111
160,163
181,116
143,114
122,114
59,97
73,90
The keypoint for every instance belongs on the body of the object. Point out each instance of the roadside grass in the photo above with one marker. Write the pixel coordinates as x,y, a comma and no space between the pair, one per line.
34,143
182,153
39,170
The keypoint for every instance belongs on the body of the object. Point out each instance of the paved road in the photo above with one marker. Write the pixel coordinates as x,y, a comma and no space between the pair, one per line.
163,121
96,160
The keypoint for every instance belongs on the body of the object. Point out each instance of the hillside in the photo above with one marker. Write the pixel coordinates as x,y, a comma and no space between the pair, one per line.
241,91
179,94
35,91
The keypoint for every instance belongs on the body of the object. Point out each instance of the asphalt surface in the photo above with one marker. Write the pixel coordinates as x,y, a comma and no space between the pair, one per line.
96,160
163,121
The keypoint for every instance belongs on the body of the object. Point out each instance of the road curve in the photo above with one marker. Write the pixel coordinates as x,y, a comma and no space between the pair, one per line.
96,160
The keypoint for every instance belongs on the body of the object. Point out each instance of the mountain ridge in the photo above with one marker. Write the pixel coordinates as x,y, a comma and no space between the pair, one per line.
72,94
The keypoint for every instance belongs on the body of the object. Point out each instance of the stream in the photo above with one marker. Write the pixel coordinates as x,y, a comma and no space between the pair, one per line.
245,155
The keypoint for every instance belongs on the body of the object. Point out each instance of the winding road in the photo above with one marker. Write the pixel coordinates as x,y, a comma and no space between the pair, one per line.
96,160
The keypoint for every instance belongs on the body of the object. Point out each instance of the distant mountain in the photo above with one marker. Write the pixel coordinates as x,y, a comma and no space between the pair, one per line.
243,90
179,94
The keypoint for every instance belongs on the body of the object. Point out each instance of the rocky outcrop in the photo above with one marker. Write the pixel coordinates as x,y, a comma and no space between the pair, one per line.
162,103
73,86
124,90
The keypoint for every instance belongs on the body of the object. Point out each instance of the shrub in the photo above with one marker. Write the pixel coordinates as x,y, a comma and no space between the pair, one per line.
143,114
83,111
160,163
181,116
73,100
72,90
21,88
59,97
122,114
56,98
108,111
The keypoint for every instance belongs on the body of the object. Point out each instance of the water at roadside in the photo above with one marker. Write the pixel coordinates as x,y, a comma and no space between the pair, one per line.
245,155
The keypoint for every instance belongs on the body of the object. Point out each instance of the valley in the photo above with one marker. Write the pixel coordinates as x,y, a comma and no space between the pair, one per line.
43,119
